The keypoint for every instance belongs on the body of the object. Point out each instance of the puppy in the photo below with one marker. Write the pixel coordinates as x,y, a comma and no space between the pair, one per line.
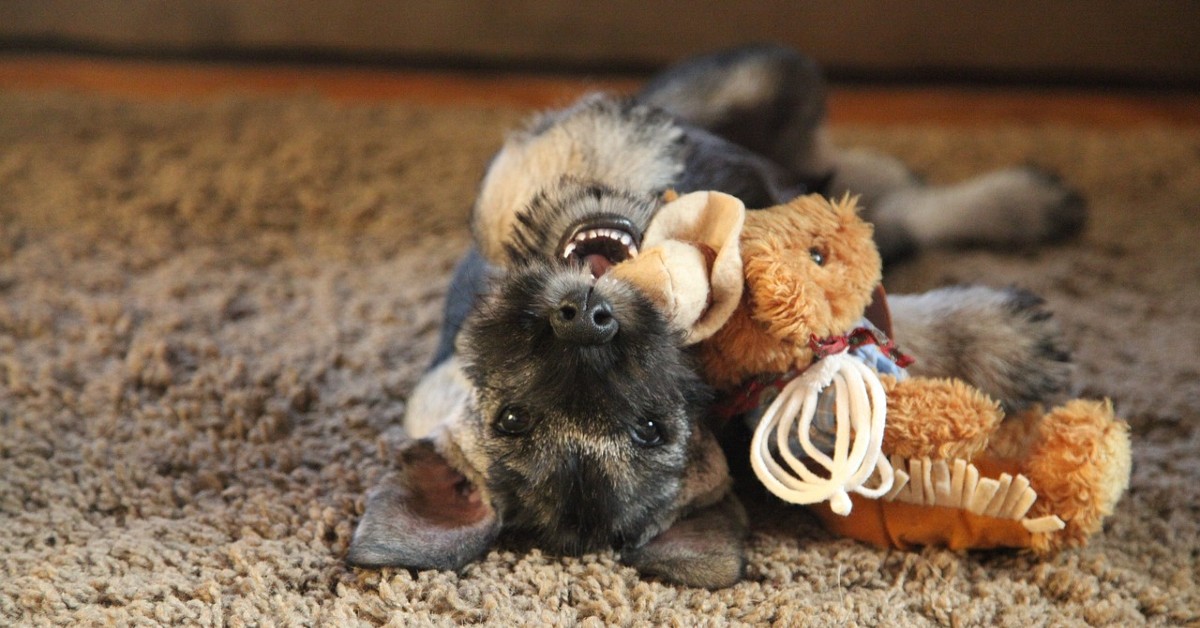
584,428
562,413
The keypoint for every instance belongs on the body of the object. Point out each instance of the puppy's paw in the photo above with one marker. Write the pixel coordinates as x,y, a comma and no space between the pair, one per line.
1002,341
1059,209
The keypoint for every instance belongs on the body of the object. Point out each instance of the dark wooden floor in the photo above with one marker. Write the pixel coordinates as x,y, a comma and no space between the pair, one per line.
864,104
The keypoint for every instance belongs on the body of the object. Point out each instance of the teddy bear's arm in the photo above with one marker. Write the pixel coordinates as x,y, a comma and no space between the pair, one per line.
937,418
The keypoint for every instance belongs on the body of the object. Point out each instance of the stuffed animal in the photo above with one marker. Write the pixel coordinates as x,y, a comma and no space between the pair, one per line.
883,457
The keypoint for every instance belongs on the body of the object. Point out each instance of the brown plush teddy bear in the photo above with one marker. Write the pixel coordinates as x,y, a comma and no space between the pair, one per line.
775,299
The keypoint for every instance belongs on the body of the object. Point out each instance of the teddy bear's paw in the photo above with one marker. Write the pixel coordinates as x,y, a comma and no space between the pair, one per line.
938,418
1002,341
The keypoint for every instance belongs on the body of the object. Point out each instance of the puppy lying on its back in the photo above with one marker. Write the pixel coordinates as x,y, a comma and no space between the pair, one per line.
565,414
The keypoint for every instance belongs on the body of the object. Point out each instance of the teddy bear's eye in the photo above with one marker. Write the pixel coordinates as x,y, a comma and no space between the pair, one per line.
817,256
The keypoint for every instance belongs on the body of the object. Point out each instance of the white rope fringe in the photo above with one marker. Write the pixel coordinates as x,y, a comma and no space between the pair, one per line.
860,410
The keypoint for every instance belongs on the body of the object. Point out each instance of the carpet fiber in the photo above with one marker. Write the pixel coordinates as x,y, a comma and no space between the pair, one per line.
211,315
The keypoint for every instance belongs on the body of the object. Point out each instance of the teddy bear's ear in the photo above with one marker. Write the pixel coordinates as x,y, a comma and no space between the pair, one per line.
691,264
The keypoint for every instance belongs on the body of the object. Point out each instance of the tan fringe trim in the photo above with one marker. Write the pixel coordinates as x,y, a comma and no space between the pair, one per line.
957,484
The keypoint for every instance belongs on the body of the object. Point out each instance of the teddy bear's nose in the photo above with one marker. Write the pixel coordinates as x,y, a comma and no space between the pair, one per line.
584,317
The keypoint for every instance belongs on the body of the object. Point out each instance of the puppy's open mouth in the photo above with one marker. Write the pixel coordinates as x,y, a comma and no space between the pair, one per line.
600,243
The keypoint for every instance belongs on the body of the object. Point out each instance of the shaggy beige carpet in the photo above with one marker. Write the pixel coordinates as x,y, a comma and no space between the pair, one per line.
211,315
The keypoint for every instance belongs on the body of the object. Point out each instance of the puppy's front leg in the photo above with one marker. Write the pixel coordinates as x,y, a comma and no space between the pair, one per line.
441,397
443,393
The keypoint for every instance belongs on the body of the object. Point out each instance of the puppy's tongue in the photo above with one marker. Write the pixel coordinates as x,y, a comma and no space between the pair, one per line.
598,264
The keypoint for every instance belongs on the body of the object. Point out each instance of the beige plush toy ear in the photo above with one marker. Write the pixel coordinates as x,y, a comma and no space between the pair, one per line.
691,264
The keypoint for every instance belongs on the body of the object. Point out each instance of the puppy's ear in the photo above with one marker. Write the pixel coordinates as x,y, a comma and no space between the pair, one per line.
705,549
426,515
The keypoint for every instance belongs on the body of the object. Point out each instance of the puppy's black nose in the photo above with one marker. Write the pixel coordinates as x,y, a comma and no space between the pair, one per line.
584,317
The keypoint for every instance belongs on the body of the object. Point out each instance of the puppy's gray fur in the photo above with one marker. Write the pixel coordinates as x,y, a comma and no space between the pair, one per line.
746,122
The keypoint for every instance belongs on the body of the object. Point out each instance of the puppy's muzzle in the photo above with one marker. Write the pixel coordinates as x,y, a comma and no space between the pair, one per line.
584,317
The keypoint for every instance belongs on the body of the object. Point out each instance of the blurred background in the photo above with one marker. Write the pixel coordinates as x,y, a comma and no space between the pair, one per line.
1048,55
1146,42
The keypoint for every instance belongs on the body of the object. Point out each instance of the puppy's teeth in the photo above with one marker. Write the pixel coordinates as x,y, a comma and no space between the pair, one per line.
570,249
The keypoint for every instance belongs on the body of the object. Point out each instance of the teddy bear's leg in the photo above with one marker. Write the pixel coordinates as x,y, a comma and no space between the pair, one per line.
1079,463
1002,341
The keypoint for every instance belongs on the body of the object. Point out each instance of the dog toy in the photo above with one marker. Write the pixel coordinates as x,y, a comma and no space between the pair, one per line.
884,457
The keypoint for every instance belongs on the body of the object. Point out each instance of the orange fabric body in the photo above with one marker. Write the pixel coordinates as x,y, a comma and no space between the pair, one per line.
904,526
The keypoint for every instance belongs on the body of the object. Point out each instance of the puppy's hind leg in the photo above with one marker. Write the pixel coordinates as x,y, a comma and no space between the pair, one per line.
1002,341
768,99
1011,208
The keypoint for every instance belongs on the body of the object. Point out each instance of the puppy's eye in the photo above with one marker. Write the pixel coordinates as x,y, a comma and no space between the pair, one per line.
817,255
647,433
512,422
